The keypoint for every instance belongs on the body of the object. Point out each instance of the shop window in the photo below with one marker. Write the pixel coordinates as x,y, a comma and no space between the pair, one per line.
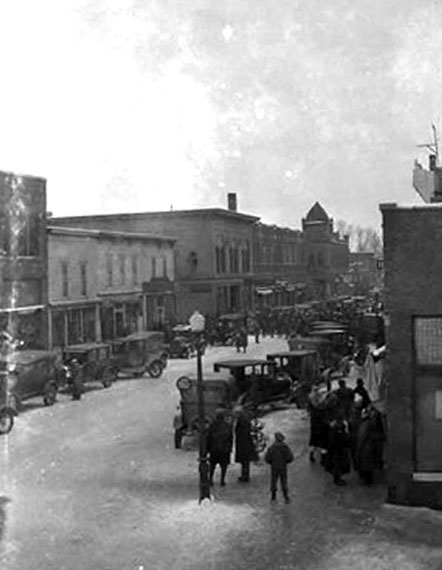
64,279
58,328
83,278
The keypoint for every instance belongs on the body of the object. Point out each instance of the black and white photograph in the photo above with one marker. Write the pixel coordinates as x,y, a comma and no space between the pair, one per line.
220,285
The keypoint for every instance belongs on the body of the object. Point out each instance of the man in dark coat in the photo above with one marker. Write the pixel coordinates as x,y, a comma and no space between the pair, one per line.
361,392
278,456
345,399
338,451
219,445
369,445
245,451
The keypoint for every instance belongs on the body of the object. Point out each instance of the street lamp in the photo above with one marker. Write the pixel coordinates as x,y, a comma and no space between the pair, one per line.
197,323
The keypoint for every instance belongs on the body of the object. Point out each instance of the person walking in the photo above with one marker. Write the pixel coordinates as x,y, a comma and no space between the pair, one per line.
368,456
245,451
278,456
338,452
219,445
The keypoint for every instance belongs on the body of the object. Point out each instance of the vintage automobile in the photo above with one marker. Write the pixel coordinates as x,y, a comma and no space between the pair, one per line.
301,367
89,362
257,382
139,353
25,374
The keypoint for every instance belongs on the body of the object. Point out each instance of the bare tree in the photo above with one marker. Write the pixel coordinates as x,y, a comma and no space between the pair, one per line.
361,239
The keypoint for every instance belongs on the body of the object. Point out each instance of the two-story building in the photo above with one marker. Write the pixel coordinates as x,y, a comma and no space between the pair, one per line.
23,258
278,269
104,284
213,253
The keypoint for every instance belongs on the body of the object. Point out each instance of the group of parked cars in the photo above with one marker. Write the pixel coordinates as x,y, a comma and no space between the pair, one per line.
37,373
255,384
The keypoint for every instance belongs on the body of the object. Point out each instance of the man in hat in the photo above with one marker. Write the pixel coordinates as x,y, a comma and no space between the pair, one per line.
245,451
219,445
278,456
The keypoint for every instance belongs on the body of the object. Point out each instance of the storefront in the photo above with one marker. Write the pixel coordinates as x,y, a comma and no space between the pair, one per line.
121,315
74,323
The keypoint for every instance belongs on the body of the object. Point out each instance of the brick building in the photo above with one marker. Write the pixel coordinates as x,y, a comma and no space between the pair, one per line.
413,304
278,265
104,284
325,253
23,258
213,253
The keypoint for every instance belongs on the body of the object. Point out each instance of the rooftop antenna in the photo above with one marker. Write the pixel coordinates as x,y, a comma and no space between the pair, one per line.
433,147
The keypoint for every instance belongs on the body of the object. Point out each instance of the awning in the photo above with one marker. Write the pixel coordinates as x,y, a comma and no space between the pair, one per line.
264,291
26,309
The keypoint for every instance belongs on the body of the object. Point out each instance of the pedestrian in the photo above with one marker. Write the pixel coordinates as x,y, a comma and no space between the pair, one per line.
338,451
362,392
370,439
278,456
318,422
345,398
219,445
178,427
245,451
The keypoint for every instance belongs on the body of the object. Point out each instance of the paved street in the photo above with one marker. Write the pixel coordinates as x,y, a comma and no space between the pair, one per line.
97,484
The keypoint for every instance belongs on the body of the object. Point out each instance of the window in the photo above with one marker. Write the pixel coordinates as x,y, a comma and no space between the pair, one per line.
122,261
217,259
64,279
5,235
27,236
134,270
154,267
165,266
110,270
192,262
83,278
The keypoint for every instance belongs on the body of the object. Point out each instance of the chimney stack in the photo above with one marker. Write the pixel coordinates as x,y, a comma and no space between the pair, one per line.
231,202
432,162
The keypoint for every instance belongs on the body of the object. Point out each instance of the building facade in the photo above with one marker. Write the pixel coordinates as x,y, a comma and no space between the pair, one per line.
213,254
278,266
106,284
23,258
325,254
413,305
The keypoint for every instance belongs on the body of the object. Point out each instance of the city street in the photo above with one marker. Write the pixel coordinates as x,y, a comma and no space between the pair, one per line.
97,484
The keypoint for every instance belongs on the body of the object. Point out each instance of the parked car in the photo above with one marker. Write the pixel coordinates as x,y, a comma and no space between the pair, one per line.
301,367
256,381
89,362
139,353
25,374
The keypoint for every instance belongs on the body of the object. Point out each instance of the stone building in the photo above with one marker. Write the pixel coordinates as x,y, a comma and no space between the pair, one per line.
23,258
213,253
104,284
413,305
325,253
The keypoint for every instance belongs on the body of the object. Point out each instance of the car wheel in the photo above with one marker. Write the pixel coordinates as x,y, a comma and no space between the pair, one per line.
107,378
6,420
49,394
155,369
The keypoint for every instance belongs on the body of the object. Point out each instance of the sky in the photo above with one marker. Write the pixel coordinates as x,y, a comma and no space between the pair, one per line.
140,105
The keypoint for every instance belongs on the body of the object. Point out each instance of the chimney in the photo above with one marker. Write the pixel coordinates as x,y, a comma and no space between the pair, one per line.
231,202
432,161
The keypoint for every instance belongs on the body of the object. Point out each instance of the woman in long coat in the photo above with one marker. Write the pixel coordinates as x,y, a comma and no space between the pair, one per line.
245,451
338,451
369,445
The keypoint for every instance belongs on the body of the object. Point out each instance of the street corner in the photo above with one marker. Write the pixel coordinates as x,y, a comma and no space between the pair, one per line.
412,524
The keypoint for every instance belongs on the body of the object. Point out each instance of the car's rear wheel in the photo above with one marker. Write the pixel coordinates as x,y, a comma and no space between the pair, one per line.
6,420
50,394
155,369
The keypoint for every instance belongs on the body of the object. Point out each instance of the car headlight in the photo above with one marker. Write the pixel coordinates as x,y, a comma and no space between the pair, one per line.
183,383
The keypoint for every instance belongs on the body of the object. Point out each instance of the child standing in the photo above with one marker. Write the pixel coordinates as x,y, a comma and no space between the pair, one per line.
279,455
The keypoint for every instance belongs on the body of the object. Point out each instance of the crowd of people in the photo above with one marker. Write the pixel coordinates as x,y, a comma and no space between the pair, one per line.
346,431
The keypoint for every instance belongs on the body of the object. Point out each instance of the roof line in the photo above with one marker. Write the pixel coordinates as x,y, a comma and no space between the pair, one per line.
67,230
